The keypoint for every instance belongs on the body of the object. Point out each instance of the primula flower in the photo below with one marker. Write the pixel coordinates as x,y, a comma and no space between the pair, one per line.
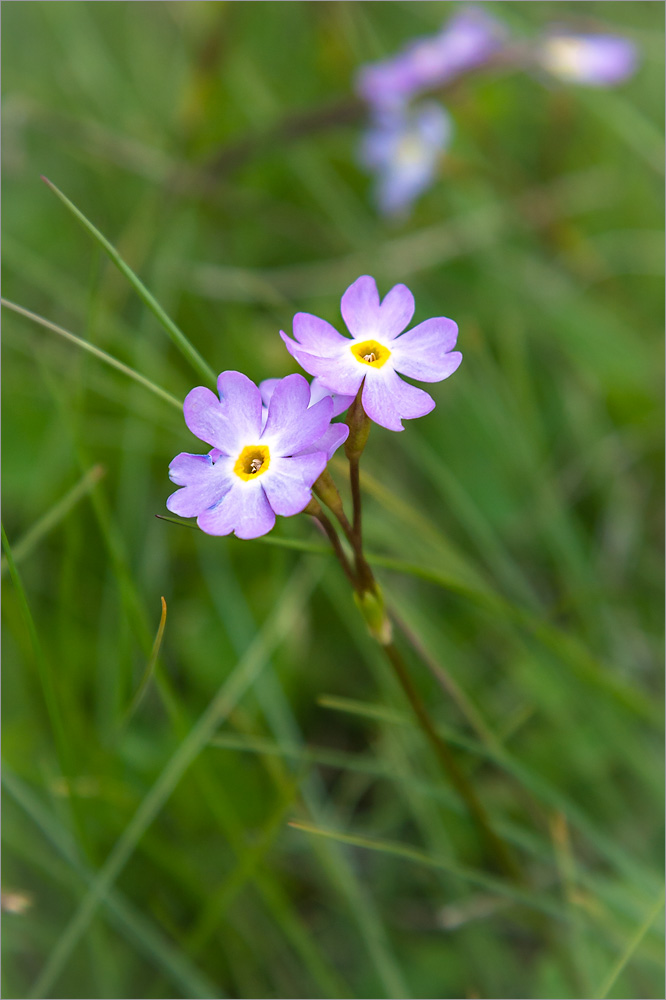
377,351
595,60
258,467
403,148
467,40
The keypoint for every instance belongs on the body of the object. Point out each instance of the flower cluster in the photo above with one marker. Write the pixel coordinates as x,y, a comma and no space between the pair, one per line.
271,443
404,141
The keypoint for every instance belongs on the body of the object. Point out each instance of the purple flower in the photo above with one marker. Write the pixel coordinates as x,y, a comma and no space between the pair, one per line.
595,60
377,351
257,468
403,148
467,40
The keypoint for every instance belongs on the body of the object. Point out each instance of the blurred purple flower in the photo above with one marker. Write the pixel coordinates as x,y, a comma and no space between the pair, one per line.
403,147
467,40
377,351
258,468
595,60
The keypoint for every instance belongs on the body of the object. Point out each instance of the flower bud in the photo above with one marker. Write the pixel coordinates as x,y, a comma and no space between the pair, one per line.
371,605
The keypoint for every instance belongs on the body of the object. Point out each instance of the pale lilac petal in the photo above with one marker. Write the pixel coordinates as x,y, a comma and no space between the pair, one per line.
289,486
387,83
267,388
317,392
396,189
467,40
186,469
311,363
425,353
403,148
245,510
594,60
341,374
360,307
316,335
429,369
330,441
366,317
205,417
396,311
388,400
204,484
340,402
241,401
292,423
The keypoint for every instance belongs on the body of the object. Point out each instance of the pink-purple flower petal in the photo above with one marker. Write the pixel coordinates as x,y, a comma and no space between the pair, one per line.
316,335
187,468
425,353
365,316
340,402
396,311
317,392
241,400
205,417
360,307
338,375
245,511
203,483
388,400
292,423
267,388
289,487
330,441
592,59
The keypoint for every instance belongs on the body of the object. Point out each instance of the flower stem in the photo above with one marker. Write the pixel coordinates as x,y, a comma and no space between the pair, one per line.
369,599
457,777
359,429
315,511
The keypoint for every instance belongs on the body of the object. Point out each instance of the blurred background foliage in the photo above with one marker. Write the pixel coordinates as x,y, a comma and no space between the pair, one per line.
517,527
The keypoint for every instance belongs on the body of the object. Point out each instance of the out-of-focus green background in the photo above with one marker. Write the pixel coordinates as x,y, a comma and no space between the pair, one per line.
519,523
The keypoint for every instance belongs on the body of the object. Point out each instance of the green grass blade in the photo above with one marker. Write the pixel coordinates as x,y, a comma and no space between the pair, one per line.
48,521
536,901
629,951
133,924
102,355
150,667
341,874
43,668
530,779
177,336
246,672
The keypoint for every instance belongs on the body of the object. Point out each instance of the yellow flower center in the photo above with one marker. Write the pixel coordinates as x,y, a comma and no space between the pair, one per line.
252,461
371,353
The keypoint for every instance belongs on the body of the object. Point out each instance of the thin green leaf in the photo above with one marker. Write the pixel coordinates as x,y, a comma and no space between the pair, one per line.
150,668
536,901
102,355
629,951
48,521
177,336
133,924
246,672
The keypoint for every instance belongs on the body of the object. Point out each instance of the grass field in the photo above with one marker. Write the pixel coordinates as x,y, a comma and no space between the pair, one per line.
253,812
